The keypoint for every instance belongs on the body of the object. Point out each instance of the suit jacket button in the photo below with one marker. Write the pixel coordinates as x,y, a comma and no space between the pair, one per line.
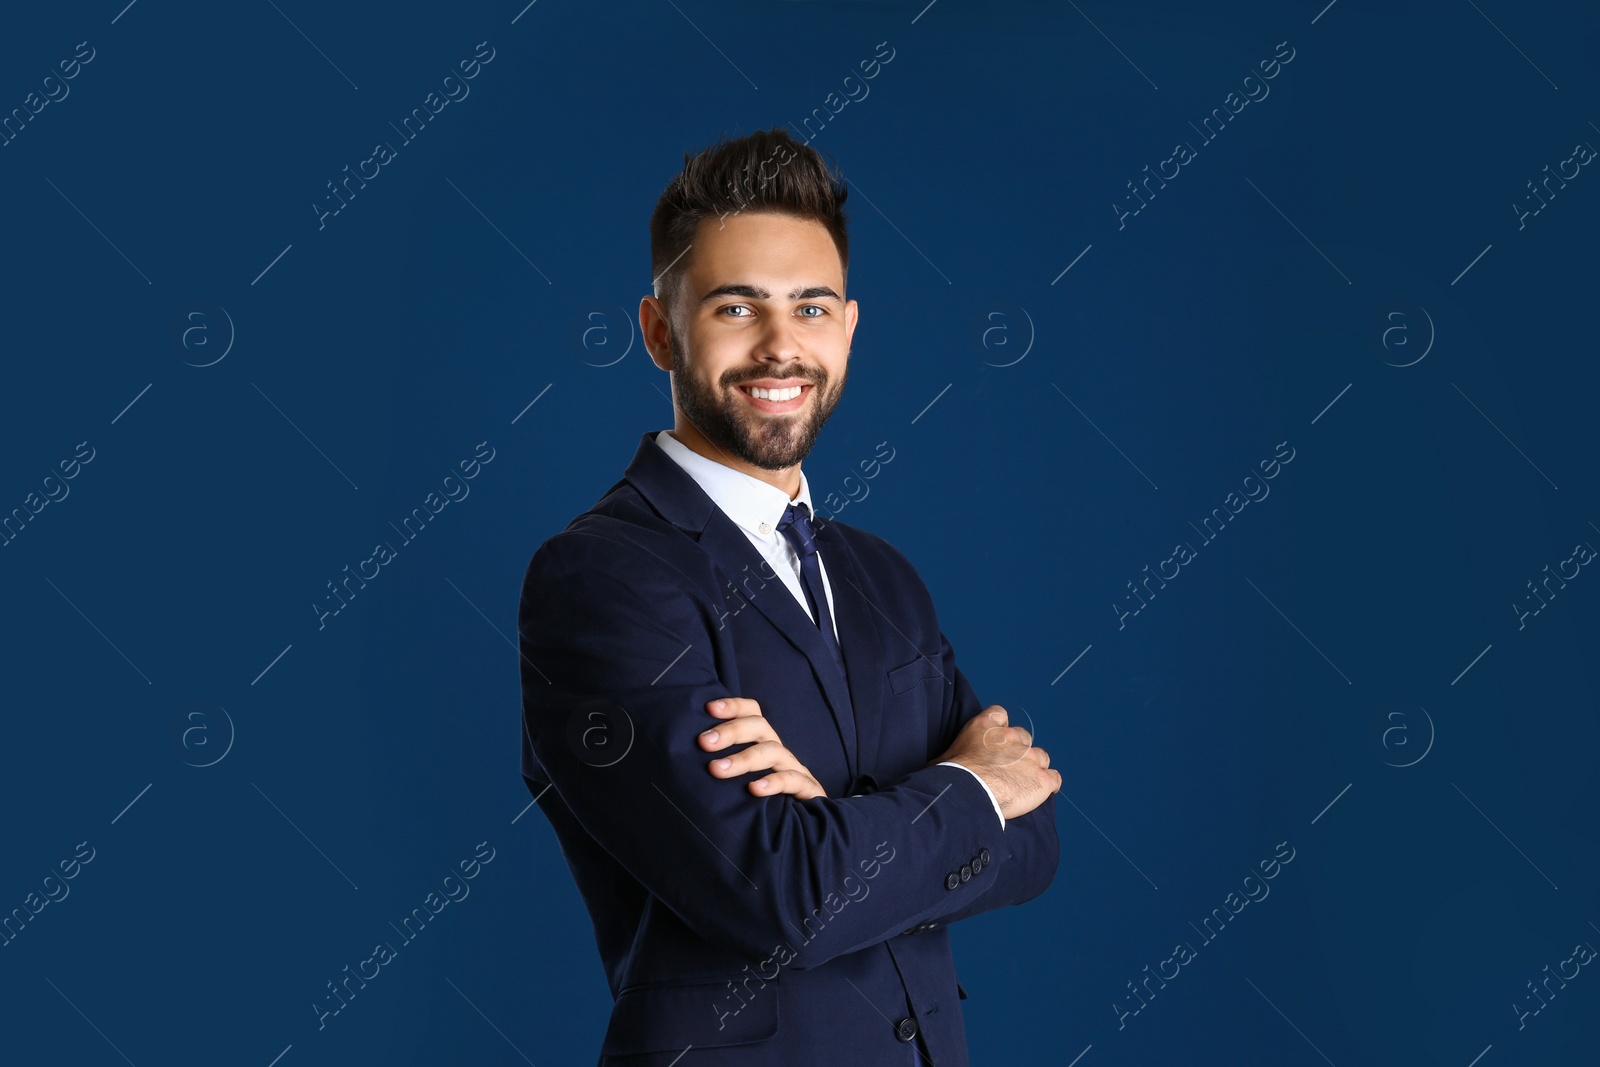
966,872
983,852
952,880
977,864
906,1029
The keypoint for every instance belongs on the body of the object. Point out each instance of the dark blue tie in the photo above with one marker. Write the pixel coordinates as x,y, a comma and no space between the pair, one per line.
796,526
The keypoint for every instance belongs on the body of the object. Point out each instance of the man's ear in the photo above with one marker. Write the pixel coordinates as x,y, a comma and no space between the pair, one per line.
655,329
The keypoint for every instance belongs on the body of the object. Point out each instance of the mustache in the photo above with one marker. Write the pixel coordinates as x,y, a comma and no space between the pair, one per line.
815,378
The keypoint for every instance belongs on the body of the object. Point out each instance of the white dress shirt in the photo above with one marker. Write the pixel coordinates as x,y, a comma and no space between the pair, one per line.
756,507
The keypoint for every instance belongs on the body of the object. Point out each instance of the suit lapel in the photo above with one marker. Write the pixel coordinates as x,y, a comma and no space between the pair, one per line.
679,499
859,641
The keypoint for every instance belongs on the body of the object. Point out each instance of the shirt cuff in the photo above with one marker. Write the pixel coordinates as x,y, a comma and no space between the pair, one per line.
986,789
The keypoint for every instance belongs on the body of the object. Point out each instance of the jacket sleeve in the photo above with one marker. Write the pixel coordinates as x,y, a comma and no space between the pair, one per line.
1029,848
618,660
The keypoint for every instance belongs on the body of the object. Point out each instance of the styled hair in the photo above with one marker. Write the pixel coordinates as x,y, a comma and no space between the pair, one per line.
765,172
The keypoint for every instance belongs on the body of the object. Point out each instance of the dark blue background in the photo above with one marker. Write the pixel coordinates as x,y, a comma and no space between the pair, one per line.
500,258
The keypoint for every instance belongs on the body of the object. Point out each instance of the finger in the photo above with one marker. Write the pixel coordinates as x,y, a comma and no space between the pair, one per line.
763,756
796,783
1042,756
737,731
733,707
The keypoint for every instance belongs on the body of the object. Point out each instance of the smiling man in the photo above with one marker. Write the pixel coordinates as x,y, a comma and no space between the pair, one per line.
770,781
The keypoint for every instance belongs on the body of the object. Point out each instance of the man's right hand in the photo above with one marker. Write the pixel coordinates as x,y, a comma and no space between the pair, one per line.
1003,756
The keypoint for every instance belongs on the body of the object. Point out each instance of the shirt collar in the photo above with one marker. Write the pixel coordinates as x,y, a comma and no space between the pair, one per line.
754,505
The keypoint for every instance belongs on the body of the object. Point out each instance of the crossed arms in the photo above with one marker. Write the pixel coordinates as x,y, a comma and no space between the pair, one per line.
633,650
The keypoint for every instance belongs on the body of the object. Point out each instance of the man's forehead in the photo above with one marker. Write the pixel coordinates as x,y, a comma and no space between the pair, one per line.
778,254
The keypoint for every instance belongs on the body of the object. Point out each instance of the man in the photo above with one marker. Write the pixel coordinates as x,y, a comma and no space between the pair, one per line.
770,781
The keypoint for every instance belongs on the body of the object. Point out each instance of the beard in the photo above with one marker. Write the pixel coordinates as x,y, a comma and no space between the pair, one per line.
771,442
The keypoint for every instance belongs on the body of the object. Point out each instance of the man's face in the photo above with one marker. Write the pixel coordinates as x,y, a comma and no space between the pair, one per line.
760,304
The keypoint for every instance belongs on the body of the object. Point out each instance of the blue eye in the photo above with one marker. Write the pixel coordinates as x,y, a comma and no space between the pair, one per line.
819,307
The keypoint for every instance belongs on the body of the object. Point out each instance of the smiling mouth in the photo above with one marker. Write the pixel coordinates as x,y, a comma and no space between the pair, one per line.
778,407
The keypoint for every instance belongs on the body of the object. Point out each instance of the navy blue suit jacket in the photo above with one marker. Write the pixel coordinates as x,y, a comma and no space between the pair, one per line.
745,929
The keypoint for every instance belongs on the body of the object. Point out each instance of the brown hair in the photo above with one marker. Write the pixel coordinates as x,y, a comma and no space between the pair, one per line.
766,171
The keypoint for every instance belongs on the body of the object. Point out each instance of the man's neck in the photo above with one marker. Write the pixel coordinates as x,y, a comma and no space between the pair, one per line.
787,479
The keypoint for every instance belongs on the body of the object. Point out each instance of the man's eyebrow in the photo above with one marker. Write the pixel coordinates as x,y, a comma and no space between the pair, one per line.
755,292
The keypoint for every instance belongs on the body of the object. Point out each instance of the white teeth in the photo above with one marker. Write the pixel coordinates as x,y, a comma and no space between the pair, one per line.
777,395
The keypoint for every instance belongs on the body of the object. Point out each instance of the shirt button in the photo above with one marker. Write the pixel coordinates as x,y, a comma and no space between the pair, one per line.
765,528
